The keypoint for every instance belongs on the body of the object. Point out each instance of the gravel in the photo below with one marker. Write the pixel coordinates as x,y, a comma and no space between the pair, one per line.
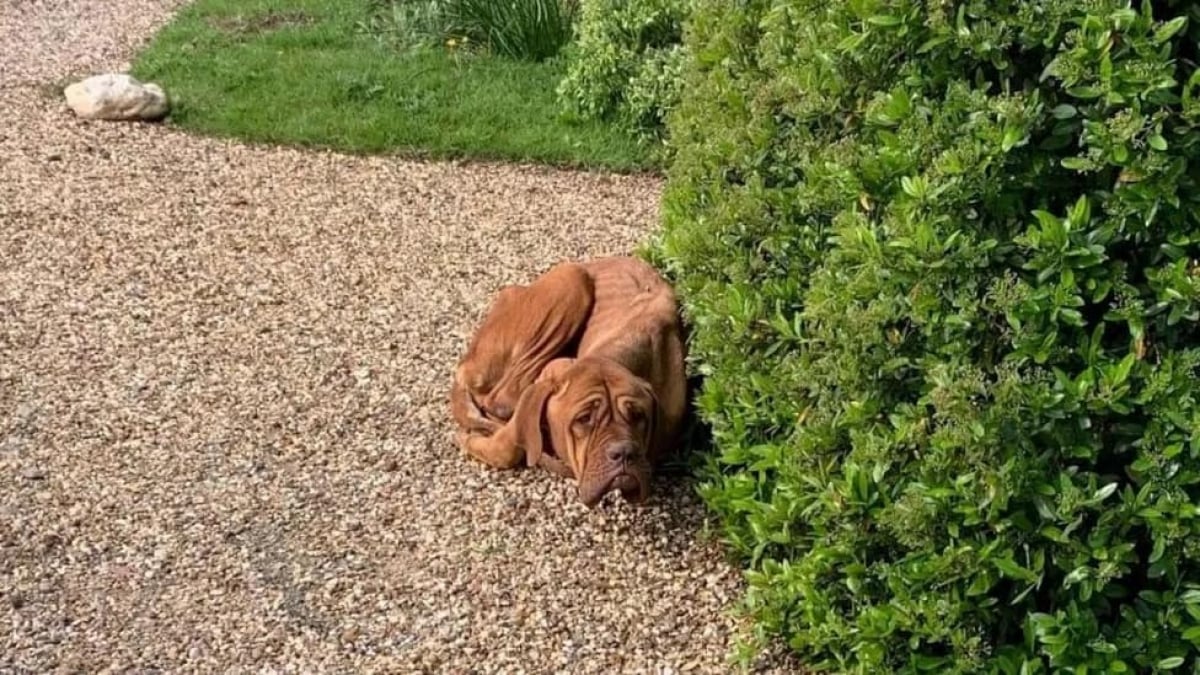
224,441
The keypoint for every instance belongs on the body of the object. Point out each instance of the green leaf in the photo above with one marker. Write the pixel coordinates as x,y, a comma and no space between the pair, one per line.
1012,137
1064,111
1158,142
924,662
1084,92
1169,29
1103,493
1156,554
1081,211
1123,369
1170,663
909,186
1012,570
933,42
1077,575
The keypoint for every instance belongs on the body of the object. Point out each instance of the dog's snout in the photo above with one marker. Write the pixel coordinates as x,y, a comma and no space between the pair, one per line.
622,452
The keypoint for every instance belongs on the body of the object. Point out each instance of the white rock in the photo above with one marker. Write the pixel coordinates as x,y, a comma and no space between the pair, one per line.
116,96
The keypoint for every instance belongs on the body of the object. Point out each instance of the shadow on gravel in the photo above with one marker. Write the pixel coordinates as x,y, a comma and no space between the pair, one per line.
677,478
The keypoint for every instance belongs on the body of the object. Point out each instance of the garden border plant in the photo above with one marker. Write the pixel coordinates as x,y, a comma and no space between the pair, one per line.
531,30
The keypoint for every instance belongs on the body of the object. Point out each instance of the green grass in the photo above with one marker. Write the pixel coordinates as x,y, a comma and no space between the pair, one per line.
304,72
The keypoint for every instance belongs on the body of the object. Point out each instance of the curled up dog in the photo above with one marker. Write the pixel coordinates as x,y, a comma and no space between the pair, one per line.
580,372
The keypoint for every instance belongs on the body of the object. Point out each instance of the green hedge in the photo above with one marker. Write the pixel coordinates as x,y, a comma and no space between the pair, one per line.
626,63
940,262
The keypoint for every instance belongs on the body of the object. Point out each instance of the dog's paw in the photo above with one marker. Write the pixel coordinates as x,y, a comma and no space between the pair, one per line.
555,466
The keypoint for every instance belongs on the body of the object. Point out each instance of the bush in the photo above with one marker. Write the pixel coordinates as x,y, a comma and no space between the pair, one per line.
627,62
533,30
940,265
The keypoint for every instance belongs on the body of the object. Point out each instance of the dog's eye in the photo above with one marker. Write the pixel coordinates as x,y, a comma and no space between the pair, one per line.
585,418
635,415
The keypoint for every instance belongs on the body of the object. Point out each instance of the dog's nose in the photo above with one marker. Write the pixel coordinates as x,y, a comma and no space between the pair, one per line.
622,452
502,411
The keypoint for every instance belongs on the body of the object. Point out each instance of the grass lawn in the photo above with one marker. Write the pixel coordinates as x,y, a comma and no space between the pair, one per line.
306,72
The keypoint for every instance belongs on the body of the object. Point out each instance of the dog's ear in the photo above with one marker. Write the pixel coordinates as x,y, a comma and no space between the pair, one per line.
528,419
653,419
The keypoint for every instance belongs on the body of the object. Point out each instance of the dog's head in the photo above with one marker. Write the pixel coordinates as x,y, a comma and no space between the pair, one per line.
598,419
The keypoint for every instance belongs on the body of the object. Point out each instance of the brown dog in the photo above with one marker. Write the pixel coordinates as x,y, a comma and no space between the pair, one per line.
581,372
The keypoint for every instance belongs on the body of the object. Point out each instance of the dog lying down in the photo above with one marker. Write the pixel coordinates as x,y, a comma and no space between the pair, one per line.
581,372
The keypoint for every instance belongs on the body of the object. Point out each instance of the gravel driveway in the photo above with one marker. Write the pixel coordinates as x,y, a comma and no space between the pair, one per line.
224,443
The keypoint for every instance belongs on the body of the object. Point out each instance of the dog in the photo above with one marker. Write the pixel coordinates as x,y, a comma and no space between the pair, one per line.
582,373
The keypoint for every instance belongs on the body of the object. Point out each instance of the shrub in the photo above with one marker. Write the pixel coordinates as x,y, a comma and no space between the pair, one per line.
627,62
533,30
940,265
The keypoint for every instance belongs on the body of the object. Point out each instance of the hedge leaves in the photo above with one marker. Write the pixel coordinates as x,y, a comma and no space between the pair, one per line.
942,264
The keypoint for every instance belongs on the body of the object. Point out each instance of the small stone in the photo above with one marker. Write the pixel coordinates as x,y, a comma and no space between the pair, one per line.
16,600
33,473
24,413
116,96
54,157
